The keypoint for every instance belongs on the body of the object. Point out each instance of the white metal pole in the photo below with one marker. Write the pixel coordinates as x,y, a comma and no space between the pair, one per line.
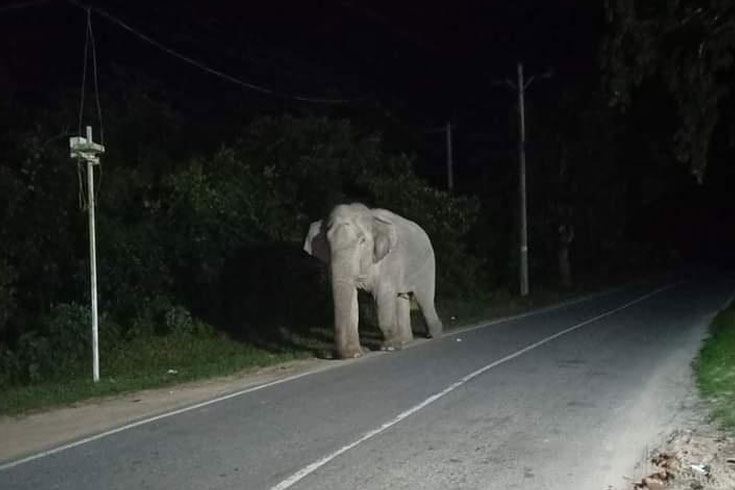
522,183
93,265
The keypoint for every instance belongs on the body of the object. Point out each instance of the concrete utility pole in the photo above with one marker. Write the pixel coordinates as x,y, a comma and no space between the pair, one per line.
522,181
450,160
521,85
89,151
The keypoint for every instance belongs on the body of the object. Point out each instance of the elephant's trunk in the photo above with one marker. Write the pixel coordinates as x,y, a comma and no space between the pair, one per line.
344,294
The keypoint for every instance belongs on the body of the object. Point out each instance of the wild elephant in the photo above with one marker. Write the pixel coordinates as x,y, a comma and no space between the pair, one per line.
381,253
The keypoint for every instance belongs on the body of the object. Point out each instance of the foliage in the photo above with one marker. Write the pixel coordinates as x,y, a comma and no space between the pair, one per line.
142,363
59,349
133,272
320,162
715,367
446,219
190,236
38,236
178,322
194,237
688,47
8,277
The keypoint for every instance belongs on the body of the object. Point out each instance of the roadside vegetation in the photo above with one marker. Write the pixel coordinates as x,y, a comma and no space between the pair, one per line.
715,368
200,228
185,349
140,364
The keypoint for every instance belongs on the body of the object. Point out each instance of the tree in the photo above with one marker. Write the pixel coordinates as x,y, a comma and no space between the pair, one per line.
688,46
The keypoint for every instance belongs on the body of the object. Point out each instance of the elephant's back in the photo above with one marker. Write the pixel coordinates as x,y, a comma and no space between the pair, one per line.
414,251
409,229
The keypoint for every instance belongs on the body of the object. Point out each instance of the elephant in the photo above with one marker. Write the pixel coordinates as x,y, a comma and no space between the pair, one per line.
384,254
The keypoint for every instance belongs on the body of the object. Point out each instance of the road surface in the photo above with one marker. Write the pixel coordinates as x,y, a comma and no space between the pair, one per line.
567,397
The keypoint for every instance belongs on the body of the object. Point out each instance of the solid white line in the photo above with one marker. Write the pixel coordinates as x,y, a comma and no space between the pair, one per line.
153,419
304,472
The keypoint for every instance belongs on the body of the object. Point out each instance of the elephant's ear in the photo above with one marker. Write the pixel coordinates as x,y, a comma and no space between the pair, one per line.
385,237
316,243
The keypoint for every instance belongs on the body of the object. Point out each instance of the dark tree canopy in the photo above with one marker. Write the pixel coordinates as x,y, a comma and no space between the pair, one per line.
685,45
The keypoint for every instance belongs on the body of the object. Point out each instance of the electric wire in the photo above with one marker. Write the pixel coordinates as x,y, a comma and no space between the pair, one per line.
97,97
82,202
206,68
84,78
22,5
94,73
89,41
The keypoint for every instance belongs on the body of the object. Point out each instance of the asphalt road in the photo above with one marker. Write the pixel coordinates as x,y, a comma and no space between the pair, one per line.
566,398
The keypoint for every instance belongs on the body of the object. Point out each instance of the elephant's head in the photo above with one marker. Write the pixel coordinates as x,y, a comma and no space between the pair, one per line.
352,241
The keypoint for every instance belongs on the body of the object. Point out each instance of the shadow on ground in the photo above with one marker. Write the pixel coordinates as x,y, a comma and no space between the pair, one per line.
278,298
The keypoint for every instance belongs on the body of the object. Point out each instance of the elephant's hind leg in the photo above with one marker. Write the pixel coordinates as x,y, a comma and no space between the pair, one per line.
403,314
425,299
386,300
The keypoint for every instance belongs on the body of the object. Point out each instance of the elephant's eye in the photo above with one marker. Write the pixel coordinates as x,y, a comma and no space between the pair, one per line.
362,240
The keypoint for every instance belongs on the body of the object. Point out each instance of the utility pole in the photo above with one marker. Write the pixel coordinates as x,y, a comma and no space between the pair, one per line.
89,151
522,181
521,85
450,161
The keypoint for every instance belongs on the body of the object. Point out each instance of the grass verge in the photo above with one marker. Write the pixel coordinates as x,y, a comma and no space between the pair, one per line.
143,364
715,368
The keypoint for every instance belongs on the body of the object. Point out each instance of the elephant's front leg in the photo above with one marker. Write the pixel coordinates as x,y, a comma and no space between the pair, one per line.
386,303
346,318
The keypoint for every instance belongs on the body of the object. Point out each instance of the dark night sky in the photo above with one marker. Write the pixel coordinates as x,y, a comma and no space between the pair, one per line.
433,59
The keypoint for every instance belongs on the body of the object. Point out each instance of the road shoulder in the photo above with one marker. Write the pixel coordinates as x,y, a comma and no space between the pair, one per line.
32,433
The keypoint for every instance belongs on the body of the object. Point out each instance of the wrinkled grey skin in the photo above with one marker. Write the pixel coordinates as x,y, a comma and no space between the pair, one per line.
385,255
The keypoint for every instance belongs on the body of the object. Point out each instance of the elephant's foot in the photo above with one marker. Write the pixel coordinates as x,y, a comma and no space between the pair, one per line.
391,345
352,352
433,332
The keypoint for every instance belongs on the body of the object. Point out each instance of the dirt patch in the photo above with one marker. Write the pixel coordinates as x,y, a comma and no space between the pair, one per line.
701,458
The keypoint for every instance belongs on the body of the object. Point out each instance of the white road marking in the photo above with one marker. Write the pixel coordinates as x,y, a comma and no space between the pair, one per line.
138,423
304,472
101,435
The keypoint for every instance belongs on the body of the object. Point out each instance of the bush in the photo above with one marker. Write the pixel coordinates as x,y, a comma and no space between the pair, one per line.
446,219
61,348
9,368
133,270
321,162
179,322
168,235
56,350
234,223
8,276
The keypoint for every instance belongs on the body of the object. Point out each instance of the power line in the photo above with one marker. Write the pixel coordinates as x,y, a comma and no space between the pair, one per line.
84,77
89,41
202,66
82,201
96,84
22,5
